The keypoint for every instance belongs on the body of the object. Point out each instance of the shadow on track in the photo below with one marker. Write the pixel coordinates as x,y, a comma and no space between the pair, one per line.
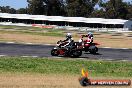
93,54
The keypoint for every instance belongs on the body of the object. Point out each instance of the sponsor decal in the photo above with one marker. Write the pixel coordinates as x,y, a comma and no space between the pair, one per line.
43,26
85,81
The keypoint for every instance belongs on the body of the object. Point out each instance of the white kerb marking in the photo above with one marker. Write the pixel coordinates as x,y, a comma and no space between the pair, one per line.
29,43
2,55
11,42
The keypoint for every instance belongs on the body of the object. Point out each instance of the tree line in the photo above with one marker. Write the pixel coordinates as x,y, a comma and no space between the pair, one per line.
112,9
8,9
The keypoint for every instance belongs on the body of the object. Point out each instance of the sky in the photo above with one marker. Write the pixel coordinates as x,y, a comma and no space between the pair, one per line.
14,3
21,3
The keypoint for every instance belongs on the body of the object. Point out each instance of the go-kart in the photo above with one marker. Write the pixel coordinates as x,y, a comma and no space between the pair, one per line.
62,50
89,46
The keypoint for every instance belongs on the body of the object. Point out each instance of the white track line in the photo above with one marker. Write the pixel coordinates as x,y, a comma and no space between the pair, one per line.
114,48
10,42
30,56
34,56
105,47
29,43
48,44
124,60
25,56
57,57
3,55
124,48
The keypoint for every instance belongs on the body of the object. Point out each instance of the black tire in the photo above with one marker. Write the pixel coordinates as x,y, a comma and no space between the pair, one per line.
86,49
84,82
76,53
54,52
66,53
93,49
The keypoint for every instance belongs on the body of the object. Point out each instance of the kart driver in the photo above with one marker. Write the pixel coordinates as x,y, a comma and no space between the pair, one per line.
89,37
69,41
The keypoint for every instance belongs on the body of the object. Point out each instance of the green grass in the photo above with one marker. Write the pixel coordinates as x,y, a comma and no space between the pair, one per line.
7,27
41,33
14,27
28,28
63,66
48,32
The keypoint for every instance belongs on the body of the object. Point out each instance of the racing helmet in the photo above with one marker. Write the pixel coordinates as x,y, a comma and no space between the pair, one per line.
90,33
68,35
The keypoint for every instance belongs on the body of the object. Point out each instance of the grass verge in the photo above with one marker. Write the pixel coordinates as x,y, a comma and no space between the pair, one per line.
65,66
50,32
31,30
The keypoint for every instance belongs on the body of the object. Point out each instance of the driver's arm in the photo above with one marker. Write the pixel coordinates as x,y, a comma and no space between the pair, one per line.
84,36
65,40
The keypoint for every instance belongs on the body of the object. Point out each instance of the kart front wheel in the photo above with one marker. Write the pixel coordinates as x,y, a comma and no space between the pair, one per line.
54,52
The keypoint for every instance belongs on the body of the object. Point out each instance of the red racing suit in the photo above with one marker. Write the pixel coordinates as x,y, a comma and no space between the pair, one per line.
89,38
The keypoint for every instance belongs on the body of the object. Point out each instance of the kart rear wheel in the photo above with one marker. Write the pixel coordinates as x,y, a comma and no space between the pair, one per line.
54,52
76,53
93,49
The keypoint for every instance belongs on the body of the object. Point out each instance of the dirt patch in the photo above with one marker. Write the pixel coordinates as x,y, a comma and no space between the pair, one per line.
27,38
105,40
44,81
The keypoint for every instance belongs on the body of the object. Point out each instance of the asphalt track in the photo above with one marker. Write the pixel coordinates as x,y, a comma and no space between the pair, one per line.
25,50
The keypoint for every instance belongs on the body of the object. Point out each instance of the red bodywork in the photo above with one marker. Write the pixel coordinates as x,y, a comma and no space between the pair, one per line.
87,44
61,51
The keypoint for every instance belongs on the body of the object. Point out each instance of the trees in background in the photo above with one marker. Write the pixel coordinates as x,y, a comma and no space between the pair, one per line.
7,9
98,13
36,7
22,11
115,9
80,8
46,7
54,7
75,8
129,9
62,7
